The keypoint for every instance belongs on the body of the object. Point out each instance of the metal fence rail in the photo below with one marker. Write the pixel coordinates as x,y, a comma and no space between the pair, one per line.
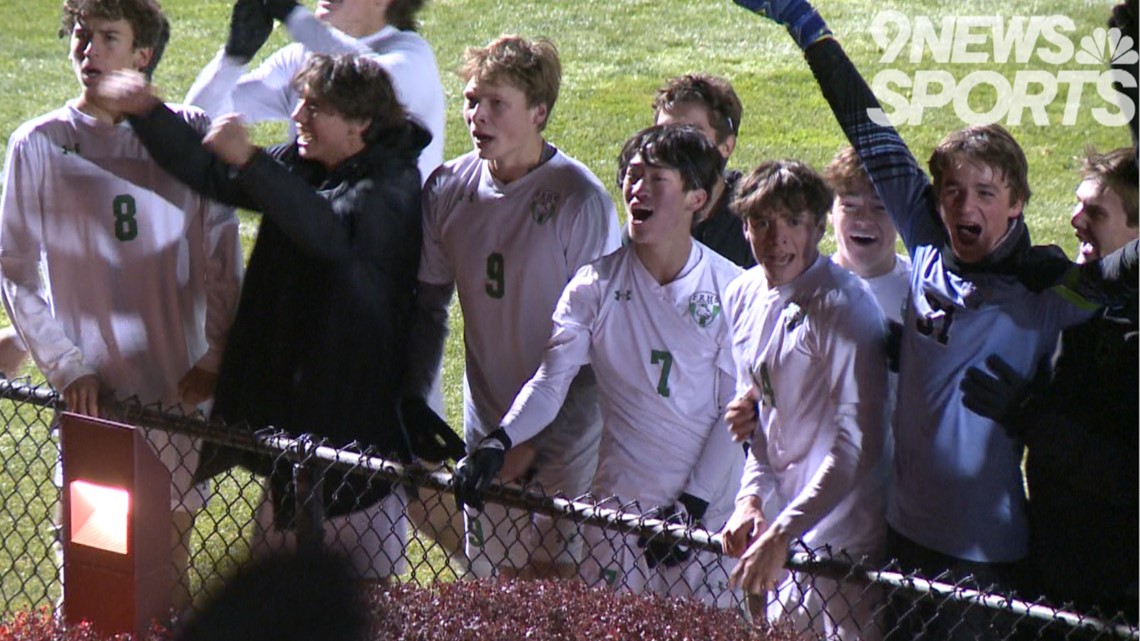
827,591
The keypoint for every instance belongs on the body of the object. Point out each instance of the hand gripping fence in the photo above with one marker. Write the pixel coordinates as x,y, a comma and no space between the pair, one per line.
225,533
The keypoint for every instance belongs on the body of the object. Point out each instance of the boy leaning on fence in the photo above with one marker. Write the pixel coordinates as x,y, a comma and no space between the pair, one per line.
507,225
648,319
320,337
140,274
808,341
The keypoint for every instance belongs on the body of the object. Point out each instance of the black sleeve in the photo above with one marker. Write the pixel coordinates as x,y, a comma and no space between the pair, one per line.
177,147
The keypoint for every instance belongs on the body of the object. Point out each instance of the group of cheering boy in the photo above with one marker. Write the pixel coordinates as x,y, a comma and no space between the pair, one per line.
704,364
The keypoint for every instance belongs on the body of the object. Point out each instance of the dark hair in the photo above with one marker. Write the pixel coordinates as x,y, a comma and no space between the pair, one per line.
990,145
782,187
1115,171
531,66
675,146
151,28
401,14
353,86
716,94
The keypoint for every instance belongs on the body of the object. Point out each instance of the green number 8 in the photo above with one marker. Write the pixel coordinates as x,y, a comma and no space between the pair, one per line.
126,225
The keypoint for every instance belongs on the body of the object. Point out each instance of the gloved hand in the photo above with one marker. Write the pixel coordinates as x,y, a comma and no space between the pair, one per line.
801,19
687,511
429,436
1042,267
474,473
250,26
1004,396
280,9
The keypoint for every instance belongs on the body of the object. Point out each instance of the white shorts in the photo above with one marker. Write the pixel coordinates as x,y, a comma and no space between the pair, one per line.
373,538
507,537
843,611
615,560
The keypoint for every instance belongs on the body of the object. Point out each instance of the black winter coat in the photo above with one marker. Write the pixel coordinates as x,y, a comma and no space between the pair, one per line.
318,343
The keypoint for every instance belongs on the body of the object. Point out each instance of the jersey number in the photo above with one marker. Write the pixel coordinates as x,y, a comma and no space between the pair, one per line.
126,225
495,275
666,360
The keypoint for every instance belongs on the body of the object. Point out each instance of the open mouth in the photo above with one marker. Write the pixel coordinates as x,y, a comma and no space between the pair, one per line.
640,214
969,233
863,240
777,260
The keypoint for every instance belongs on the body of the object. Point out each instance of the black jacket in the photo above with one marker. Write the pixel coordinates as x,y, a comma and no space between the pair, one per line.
318,343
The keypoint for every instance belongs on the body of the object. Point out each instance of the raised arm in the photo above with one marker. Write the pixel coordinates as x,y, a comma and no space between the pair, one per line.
900,183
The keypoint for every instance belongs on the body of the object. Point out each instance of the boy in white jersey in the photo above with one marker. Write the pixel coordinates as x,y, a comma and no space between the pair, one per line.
648,319
140,274
811,371
865,235
508,224
383,30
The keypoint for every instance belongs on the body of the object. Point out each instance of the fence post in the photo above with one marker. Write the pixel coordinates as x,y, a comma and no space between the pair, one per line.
310,503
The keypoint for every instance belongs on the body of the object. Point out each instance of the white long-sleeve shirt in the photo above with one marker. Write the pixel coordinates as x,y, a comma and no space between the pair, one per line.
662,357
813,348
109,266
267,93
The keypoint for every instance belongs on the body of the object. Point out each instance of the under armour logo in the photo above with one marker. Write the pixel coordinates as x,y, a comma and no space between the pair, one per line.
623,294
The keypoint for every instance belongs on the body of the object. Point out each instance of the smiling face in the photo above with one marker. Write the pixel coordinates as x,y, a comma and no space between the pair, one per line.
323,135
656,203
1100,221
864,233
503,128
99,47
785,243
976,208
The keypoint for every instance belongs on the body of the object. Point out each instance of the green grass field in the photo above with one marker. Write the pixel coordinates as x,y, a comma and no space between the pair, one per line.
614,53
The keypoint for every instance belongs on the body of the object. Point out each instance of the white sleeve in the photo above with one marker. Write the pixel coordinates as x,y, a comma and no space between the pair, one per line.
594,231
854,355
223,279
318,37
21,246
568,349
223,86
712,473
435,266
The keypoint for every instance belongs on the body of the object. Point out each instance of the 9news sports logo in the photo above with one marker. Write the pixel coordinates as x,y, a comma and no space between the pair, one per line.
1068,64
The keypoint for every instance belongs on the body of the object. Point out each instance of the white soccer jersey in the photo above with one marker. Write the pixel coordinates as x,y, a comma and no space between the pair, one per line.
266,93
892,288
662,355
109,265
814,348
510,250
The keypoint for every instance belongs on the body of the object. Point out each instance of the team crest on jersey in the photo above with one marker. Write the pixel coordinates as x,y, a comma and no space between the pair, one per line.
704,307
543,206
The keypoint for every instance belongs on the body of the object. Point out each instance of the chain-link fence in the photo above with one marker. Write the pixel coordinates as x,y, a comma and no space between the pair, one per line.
412,531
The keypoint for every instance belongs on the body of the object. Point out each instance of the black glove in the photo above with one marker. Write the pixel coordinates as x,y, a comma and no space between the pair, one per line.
687,511
474,473
1004,396
1042,267
280,9
250,26
429,436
